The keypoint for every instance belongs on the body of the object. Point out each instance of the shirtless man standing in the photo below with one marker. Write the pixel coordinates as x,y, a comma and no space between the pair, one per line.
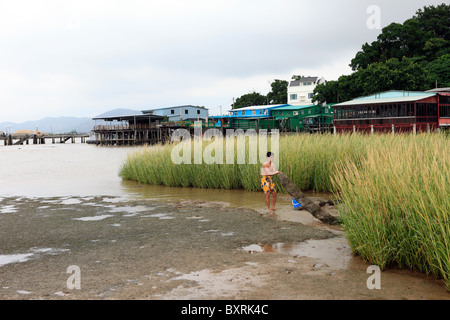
267,184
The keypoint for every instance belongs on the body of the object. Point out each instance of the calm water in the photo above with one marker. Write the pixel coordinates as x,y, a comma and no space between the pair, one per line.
88,170
60,170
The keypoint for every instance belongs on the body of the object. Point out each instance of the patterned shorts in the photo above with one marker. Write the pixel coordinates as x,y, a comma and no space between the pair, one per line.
267,184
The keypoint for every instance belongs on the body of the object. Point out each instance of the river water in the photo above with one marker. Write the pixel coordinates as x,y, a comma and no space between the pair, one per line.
60,170
78,169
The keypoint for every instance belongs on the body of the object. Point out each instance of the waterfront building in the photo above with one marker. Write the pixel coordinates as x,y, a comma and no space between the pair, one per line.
309,118
301,91
129,130
180,113
252,117
394,111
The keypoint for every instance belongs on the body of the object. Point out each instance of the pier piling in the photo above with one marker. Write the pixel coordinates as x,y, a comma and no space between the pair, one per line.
11,139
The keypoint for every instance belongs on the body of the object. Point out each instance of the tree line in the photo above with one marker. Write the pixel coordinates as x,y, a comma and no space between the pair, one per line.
412,56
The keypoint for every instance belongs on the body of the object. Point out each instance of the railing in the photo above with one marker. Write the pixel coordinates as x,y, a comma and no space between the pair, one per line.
181,123
427,119
111,127
388,128
122,127
386,121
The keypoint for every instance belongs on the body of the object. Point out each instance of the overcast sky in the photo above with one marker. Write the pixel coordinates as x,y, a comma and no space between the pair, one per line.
82,58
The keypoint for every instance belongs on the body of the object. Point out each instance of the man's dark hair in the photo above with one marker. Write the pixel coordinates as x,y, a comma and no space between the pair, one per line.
269,154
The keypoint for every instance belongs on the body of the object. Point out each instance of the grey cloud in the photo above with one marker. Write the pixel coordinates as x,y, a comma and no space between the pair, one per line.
147,54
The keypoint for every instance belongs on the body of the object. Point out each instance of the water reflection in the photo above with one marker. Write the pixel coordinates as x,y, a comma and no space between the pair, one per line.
236,198
61,170
334,252
88,170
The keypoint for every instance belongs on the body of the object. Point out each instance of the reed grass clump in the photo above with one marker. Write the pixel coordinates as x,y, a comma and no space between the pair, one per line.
396,205
307,159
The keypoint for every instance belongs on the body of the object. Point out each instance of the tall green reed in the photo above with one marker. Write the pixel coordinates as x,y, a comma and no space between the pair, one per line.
396,205
307,159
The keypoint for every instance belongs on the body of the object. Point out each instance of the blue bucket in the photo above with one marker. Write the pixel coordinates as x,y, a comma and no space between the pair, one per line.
296,204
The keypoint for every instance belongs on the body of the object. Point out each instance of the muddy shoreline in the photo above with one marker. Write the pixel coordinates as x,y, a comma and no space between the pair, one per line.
162,250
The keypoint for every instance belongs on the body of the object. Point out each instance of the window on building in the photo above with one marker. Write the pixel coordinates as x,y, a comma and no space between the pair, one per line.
307,83
432,109
310,95
421,110
293,96
444,99
198,111
186,111
444,111
410,108
402,111
172,111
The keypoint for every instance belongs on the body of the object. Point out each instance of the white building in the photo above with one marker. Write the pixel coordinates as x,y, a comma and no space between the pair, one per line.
300,92
179,113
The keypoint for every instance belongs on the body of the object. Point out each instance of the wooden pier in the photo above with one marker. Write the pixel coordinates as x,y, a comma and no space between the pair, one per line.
121,135
12,139
138,129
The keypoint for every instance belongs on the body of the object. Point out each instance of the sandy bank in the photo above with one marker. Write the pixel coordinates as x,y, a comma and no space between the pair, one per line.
142,249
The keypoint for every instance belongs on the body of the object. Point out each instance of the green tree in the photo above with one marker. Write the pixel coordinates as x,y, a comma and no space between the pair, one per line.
414,55
435,48
296,77
327,92
394,74
250,99
409,56
349,87
435,20
278,95
364,58
439,70
425,36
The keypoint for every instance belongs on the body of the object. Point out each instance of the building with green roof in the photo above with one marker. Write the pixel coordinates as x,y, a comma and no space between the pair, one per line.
309,118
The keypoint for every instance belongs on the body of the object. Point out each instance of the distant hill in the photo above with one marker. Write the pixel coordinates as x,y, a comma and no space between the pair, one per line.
65,124
119,112
53,125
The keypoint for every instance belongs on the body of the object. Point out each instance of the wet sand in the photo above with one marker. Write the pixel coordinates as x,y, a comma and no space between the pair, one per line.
148,249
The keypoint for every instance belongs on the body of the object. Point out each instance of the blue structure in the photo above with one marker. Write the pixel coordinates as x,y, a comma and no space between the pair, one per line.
252,112
255,111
